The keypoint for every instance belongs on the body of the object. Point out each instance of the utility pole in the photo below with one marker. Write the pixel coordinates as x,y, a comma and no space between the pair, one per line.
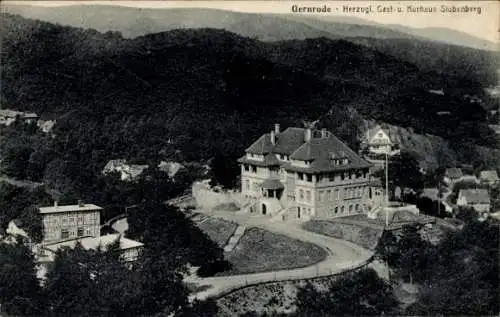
386,190
439,198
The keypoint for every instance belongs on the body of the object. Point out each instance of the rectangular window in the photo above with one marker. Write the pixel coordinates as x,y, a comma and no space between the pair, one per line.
331,177
300,176
79,231
342,176
64,234
246,167
254,169
320,195
301,195
308,196
309,177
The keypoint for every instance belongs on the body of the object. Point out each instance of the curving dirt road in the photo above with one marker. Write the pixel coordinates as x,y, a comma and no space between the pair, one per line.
342,255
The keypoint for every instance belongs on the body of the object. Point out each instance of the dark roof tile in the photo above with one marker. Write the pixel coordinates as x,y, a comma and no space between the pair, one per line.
319,151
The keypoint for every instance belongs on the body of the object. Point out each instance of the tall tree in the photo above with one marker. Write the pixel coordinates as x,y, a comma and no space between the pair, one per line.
411,248
404,171
386,249
20,291
360,293
463,274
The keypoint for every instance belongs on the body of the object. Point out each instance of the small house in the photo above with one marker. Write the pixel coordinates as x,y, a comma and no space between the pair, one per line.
452,175
380,141
128,172
489,177
477,198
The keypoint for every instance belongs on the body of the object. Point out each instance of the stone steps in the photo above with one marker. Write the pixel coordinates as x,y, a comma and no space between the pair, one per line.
235,238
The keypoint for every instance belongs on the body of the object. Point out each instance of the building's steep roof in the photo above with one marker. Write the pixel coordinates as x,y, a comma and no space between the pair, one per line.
320,151
371,133
269,160
92,243
453,172
475,195
490,176
262,146
286,142
289,140
67,208
272,184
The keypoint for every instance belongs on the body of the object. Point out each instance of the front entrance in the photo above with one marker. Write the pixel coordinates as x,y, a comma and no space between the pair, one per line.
264,209
298,212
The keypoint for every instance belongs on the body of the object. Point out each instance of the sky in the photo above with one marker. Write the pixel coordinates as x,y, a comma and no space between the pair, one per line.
485,25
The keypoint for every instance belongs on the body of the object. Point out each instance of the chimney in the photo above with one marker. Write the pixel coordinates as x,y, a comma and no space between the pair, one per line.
81,204
276,128
308,135
273,137
324,133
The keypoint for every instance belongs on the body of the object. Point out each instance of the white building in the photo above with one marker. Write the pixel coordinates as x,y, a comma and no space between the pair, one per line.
70,221
45,253
489,177
304,173
453,175
128,172
14,229
171,168
477,198
7,117
46,125
378,141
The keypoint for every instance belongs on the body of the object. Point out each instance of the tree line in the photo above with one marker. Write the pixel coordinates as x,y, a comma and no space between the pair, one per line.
94,283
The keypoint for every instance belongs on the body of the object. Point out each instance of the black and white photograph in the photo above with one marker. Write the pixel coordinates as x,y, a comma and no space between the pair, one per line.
249,158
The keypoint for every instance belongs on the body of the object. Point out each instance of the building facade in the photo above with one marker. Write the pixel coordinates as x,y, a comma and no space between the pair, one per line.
489,177
304,173
453,175
378,141
45,253
477,198
70,221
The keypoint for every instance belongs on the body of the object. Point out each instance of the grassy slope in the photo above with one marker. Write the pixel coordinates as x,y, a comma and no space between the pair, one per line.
262,251
218,230
367,237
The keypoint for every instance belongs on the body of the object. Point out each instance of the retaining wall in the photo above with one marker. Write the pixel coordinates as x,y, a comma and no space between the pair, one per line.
208,198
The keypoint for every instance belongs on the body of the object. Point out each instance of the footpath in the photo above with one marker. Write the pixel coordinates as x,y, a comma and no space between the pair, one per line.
342,256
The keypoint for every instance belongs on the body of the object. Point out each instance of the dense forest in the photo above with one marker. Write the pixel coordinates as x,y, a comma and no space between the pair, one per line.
196,94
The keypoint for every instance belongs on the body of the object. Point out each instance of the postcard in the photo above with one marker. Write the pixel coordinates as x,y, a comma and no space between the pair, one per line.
249,158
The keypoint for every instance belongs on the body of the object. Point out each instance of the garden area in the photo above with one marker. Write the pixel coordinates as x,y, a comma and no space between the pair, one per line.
262,251
218,230
365,235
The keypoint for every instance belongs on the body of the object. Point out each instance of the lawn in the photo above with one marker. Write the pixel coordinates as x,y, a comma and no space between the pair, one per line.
262,251
364,236
218,230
